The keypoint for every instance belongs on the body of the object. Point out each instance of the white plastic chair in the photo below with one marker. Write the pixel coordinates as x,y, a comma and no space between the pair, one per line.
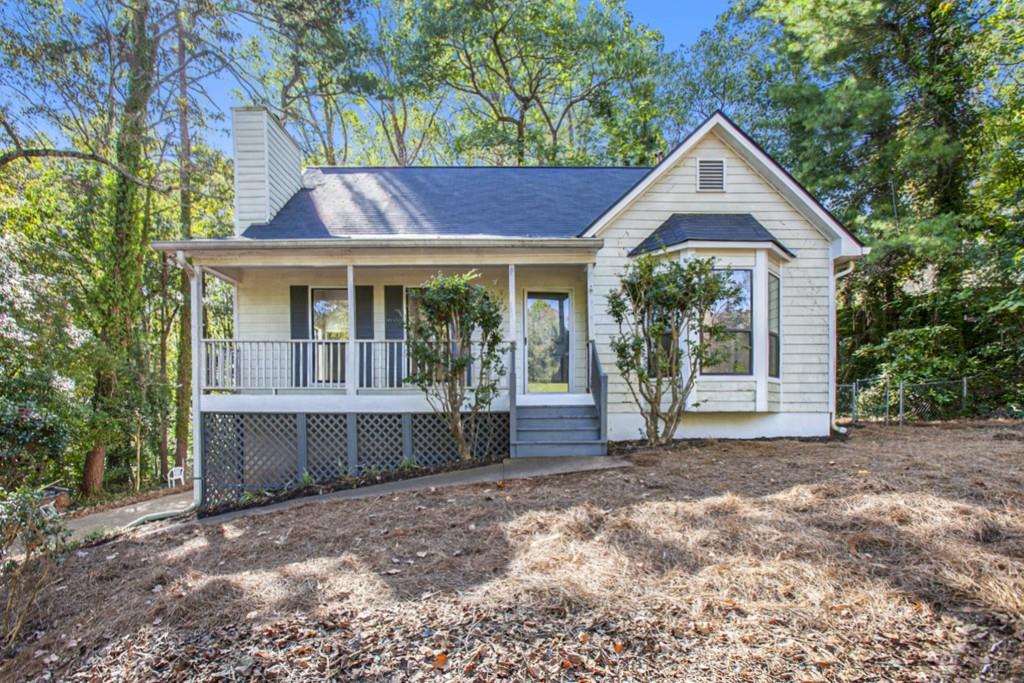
176,474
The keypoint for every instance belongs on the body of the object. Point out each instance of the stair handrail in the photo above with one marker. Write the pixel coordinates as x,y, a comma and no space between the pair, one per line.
599,388
512,390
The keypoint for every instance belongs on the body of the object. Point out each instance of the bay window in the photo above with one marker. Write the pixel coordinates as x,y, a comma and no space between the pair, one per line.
733,347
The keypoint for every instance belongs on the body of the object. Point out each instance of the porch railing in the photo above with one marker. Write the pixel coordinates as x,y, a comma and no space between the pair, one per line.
387,364
233,365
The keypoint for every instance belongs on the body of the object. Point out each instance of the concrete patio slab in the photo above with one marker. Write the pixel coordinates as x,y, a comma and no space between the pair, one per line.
116,519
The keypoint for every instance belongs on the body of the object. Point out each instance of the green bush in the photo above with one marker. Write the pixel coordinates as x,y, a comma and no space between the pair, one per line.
920,354
30,543
663,309
32,440
456,352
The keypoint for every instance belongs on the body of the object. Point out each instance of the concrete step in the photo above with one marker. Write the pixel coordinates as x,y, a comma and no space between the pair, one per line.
558,448
553,411
533,434
560,423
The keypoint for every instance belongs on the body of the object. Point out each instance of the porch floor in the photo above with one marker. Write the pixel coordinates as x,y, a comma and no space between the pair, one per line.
541,399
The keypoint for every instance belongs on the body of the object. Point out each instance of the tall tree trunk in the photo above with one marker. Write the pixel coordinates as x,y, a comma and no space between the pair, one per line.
92,475
120,298
184,384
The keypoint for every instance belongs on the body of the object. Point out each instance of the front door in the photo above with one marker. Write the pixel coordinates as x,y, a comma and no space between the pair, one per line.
548,323
329,323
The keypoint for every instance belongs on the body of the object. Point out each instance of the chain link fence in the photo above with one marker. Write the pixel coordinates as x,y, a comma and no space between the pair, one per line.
882,399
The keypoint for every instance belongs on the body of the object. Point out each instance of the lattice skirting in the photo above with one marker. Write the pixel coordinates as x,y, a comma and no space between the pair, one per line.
250,452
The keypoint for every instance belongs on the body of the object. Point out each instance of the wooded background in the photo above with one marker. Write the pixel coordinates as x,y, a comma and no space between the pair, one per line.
905,118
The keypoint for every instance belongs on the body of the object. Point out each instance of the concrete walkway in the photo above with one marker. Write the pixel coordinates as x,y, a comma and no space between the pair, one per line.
116,519
510,468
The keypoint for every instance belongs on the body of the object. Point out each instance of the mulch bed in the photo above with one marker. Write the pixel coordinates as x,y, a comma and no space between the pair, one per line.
359,481
897,554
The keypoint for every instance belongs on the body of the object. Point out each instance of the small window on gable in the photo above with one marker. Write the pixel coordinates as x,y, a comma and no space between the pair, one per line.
711,175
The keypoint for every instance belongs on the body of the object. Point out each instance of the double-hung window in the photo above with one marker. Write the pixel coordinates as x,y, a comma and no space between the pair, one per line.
733,346
774,325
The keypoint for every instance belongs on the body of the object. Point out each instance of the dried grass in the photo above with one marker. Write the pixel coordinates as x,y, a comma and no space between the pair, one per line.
896,554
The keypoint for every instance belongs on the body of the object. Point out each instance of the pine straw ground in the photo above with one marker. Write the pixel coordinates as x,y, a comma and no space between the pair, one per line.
896,554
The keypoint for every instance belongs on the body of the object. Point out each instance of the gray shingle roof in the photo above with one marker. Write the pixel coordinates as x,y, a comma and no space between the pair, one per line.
458,201
707,227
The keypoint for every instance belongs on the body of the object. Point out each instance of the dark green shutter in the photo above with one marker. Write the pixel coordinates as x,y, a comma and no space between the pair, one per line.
394,328
364,330
299,302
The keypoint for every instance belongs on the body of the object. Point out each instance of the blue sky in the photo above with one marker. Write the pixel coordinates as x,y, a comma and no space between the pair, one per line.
680,22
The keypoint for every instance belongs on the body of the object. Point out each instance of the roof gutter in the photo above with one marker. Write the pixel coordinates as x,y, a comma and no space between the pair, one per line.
350,243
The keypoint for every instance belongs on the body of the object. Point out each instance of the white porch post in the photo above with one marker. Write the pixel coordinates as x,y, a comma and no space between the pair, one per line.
512,328
591,348
196,284
760,323
234,311
590,302
351,380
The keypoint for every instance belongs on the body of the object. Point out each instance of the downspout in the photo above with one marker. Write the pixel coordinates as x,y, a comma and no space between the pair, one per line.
196,282
836,278
158,516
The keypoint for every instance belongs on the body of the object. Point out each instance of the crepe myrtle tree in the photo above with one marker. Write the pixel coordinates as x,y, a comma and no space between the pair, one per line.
664,308
455,352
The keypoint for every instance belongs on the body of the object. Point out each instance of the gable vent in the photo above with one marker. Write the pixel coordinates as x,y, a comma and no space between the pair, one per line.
711,175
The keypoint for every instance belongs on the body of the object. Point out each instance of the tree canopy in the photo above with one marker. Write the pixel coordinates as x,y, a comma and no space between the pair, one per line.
903,117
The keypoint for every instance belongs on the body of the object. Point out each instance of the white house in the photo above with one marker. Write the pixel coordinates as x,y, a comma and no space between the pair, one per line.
325,264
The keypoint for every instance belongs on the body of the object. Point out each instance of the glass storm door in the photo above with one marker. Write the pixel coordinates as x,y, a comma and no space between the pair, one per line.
330,324
547,341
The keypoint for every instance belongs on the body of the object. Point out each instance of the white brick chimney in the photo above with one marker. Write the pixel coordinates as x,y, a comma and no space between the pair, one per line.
268,166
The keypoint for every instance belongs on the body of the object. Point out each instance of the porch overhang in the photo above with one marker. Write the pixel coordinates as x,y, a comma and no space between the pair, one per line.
391,250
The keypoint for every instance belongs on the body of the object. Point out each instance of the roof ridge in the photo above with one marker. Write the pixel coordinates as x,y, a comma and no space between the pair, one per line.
478,167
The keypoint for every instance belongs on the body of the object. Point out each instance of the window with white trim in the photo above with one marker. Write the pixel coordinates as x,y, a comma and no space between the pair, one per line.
774,325
734,346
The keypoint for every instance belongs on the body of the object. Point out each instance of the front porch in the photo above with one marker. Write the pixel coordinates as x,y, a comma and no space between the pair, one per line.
313,383
340,333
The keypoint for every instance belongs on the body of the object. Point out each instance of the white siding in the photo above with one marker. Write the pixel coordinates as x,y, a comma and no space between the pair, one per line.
805,281
774,396
268,166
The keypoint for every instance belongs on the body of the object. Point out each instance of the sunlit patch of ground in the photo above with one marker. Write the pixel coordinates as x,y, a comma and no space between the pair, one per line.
896,554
